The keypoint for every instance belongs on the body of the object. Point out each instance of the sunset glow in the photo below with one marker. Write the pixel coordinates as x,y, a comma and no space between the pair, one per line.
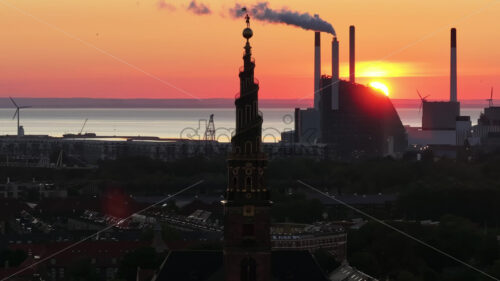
140,49
383,69
380,86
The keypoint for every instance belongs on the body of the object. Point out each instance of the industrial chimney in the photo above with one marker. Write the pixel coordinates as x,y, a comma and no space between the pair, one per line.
352,60
453,66
317,68
335,74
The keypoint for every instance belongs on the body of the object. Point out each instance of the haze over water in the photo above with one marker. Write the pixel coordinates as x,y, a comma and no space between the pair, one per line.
166,123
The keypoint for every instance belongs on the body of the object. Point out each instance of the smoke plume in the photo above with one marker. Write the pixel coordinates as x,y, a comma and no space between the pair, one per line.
162,4
199,8
262,12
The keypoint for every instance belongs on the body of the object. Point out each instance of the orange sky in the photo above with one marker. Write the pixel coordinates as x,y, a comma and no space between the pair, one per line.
96,48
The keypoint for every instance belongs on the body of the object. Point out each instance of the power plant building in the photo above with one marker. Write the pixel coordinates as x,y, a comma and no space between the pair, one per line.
440,115
443,128
306,128
487,130
353,120
366,123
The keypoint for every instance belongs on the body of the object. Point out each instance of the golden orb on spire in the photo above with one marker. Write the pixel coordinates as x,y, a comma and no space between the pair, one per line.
247,33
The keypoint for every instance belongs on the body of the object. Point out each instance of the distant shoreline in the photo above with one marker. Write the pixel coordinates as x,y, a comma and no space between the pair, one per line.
187,103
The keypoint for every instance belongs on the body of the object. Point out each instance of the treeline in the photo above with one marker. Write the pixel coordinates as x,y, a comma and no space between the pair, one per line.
384,253
427,189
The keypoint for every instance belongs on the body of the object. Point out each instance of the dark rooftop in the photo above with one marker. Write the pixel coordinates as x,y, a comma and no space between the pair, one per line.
208,265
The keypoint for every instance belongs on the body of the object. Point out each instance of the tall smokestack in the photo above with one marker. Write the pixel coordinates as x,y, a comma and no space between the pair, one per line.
317,67
335,74
453,66
352,60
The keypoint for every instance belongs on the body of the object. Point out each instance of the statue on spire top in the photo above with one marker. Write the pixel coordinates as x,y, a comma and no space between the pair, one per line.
247,18
247,32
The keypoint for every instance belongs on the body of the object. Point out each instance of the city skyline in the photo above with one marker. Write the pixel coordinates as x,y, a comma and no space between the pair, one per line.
356,184
151,49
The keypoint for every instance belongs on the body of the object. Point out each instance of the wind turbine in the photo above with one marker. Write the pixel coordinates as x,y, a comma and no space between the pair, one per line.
423,99
490,100
18,113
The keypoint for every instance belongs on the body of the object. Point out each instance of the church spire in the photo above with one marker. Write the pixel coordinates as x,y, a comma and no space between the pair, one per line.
247,242
247,34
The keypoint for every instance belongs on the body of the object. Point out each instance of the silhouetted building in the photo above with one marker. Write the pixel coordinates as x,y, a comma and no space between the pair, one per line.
491,116
365,124
440,115
31,190
306,125
487,130
62,257
354,121
247,254
311,237
247,242
443,129
288,136
346,272
463,129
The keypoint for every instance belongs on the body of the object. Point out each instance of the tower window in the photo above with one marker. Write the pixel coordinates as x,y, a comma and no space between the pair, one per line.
248,147
248,182
240,118
248,269
248,211
248,229
247,113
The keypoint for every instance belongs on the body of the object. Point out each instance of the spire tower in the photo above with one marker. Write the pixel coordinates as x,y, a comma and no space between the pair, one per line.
247,242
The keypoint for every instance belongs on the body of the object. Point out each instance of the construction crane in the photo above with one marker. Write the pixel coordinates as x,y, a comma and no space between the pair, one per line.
84,123
490,100
210,130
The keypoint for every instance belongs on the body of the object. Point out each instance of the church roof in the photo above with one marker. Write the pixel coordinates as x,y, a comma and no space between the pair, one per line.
208,266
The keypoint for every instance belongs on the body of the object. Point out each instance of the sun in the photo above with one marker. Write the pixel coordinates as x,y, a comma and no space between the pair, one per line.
380,86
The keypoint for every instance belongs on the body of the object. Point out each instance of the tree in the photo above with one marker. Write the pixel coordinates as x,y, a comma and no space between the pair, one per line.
406,276
326,260
82,270
145,258
13,257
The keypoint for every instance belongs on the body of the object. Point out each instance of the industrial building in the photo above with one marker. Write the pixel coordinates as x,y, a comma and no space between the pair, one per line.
306,125
56,152
354,120
491,116
487,131
443,115
306,128
443,129
440,115
31,190
366,123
